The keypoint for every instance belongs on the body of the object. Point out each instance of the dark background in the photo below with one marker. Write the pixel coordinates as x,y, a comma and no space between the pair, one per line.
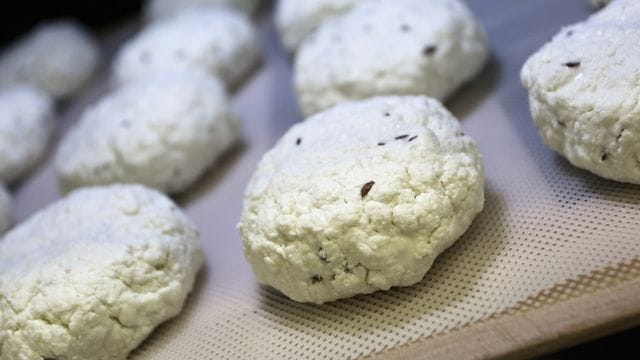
18,17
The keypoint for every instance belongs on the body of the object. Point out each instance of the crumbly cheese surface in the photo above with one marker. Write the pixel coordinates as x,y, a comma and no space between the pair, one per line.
163,132
219,41
6,213
360,198
296,19
25,126
584,92
90,276
57,57
156,9
400,47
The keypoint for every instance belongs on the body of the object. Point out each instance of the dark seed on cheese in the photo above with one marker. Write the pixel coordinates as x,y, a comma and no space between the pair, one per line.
401,137
429,50
366,188
413,137
572,64
298,141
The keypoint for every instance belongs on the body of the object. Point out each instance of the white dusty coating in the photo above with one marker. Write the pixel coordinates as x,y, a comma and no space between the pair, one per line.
156,9
57,57
360,198
90,276
163,132
6,212
296,19
25,127
584,94
401,47
219,41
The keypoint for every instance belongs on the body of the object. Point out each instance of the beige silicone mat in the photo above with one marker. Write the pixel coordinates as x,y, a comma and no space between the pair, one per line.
553,259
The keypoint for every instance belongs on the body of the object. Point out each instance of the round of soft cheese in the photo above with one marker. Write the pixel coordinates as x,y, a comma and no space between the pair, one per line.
156,9
25,126
6,213
214,40
380,47
57,57
360,198
163,132
92,275
296,19
583,92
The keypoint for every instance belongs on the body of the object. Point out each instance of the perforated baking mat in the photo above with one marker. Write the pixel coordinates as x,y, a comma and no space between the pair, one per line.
553,259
